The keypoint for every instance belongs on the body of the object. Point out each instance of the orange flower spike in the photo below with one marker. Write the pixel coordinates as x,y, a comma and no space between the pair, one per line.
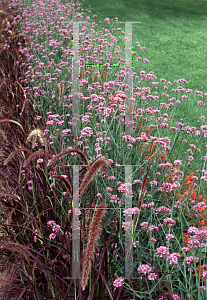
202,221
140,125
186,238
199,198
201,273
163,158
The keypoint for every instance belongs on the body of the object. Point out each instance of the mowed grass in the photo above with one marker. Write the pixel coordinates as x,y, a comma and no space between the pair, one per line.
173,34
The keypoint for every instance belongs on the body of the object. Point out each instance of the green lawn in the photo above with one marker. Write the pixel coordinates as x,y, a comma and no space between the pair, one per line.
173,33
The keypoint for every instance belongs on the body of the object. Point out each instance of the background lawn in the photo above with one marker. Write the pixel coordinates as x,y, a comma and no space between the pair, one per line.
173,33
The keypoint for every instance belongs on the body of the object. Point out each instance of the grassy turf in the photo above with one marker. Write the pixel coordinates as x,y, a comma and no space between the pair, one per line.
173,34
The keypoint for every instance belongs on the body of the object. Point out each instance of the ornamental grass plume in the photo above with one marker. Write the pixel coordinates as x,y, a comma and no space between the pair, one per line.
6,277
34,155
38,132
101,162
8,194
68,151
15,152
18,248
94,232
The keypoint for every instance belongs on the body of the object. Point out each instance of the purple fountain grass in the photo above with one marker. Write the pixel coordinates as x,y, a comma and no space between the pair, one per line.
5,193
5,278
94,232
37,153
67,182
67,151
87,215
4,136
38,132
9,219
12,196
18,248
8,120
88,177
15,152
37,230
34,133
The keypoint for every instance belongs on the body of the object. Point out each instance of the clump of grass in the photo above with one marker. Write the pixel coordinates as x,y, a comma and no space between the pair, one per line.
155,149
